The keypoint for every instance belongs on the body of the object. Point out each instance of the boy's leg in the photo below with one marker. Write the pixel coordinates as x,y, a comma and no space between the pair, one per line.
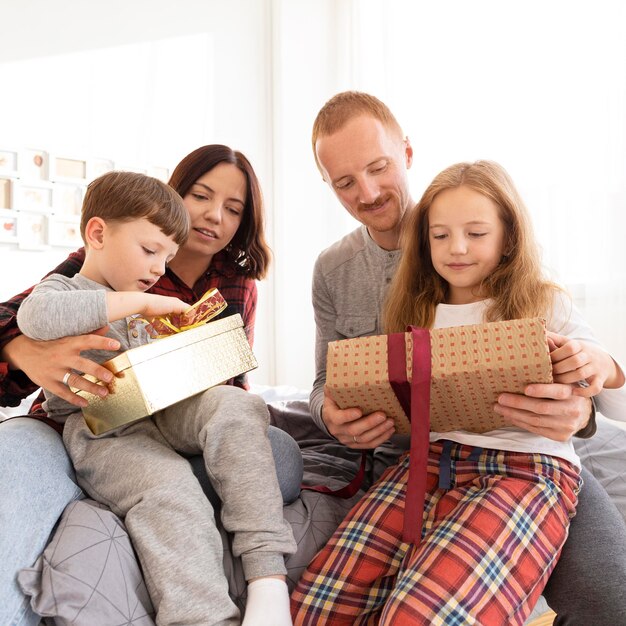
587,585
229,426
36,484
287,461
170,521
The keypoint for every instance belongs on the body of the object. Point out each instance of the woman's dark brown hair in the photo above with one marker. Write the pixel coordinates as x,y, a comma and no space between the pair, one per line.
248,250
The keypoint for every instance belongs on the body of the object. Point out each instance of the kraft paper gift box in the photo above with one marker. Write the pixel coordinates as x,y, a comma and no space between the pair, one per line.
168,370
469,367
441,380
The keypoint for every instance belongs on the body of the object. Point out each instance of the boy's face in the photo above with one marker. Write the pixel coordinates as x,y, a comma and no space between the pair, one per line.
133,255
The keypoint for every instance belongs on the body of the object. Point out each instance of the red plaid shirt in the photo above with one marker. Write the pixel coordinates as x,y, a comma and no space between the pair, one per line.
240,293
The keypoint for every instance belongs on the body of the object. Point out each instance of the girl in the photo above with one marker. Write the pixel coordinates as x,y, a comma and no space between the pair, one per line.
493,533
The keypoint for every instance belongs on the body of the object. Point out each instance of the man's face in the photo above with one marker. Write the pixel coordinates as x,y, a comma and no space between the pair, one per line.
366,165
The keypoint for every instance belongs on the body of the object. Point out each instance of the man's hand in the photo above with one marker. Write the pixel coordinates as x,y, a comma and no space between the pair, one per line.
353,429
47,362
550,410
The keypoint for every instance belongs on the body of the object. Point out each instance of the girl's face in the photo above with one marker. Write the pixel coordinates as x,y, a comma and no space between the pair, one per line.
216,204
466,238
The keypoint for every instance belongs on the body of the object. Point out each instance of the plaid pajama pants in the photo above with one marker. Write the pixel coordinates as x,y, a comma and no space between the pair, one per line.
489,544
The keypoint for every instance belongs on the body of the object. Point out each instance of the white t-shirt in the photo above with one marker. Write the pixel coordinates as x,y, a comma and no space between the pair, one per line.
566,320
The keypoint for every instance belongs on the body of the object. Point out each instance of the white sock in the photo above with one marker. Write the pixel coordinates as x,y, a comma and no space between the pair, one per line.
267,603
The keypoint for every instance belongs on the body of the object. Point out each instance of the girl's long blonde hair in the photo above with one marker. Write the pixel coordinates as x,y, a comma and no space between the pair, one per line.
517,287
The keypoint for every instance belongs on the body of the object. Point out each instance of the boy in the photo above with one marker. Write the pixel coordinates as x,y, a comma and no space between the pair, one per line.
132,225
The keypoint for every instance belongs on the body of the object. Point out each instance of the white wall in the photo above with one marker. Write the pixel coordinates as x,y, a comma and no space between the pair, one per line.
141,82
539,87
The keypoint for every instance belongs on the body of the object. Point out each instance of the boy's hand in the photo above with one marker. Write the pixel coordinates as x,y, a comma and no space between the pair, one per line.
157,306
124,303
574,361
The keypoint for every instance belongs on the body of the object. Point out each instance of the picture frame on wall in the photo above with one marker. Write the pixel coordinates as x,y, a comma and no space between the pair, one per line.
32,196
32,231
8,161
8,226
6,192
67,199
33,164
68,169
64,232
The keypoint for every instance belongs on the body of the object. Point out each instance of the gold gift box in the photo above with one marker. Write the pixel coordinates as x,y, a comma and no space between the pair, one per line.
470,366
163,372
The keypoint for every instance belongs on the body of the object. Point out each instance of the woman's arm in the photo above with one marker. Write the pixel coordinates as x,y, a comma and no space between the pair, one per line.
23,366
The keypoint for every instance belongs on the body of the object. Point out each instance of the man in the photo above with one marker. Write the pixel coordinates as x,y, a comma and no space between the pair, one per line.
363,155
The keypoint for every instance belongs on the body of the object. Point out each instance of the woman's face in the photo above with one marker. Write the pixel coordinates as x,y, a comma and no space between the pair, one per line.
216,204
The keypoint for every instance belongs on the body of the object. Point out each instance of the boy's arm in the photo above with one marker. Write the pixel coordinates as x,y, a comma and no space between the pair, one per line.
121,304
54,310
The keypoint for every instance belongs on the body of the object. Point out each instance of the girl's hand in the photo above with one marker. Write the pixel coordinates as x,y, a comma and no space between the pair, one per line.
575,361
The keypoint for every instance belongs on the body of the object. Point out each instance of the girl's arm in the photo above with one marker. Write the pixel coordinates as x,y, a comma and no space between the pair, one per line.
574,361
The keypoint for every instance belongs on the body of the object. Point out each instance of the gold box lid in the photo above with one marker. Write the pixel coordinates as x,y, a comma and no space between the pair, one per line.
173,342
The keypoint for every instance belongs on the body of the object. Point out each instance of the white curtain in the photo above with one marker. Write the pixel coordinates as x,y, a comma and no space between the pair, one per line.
538,86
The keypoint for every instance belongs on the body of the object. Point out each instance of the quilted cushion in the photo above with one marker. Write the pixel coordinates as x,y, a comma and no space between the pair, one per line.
88,574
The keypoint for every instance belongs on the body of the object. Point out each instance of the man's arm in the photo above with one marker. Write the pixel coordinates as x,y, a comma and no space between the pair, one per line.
349,426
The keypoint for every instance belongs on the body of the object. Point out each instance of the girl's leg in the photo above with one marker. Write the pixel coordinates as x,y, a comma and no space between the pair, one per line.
490,542
170,521
350,579
37,483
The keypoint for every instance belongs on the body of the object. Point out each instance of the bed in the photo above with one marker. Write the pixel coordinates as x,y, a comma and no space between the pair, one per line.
89,575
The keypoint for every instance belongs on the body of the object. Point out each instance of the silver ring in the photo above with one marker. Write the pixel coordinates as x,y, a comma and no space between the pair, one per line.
66,378
355,439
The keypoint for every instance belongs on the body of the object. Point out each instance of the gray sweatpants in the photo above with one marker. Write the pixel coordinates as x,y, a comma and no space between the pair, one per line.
139,474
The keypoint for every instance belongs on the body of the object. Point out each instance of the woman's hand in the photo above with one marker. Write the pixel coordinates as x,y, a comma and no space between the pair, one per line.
46,363
574,361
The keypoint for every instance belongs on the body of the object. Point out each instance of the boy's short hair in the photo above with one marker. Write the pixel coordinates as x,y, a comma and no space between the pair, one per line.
127,196
345,106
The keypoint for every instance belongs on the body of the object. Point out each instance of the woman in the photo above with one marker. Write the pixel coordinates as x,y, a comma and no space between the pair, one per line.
226,250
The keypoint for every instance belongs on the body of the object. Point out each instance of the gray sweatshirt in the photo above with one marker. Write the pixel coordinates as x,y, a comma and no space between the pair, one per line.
61,306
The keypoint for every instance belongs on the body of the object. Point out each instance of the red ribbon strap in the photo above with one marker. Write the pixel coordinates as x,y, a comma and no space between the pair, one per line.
414,398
